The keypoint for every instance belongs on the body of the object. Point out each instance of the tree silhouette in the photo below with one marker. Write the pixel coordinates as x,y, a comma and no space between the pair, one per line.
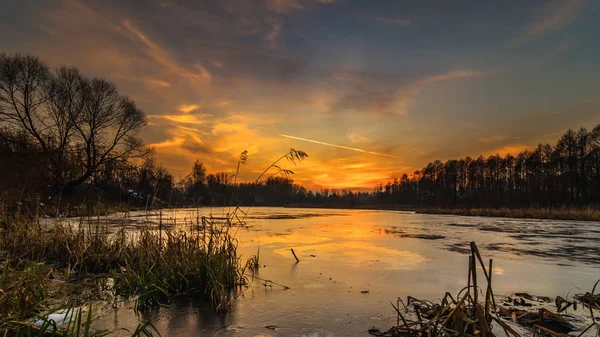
80,125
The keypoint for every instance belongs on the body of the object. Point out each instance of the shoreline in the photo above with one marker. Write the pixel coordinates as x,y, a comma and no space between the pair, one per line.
563,213
571,214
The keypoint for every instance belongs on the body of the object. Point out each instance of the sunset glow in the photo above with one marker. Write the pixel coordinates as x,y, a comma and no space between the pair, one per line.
369,92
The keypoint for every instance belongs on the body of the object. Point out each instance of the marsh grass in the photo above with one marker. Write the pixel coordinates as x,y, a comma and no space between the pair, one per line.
561,213
76,322
151,264
23,291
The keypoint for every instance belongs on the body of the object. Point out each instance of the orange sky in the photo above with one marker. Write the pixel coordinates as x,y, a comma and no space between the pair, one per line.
369,92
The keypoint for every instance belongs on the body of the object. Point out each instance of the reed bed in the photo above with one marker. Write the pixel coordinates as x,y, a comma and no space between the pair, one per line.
474,312
151,265
566,213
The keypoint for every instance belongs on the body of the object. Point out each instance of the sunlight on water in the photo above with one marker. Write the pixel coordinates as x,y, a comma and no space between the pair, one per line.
354,262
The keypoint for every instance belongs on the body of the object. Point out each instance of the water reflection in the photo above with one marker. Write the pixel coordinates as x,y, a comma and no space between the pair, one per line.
345,253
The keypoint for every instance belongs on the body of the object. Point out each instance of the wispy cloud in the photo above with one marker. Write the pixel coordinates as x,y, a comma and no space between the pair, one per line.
183,119
493,139
163,57
454,75
359,136
554,15
395,21
187,108
368,97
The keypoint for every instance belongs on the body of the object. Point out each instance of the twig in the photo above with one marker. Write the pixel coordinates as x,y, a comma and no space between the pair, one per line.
292,249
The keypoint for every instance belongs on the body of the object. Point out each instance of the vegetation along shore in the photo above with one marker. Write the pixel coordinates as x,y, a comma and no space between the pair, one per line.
559,213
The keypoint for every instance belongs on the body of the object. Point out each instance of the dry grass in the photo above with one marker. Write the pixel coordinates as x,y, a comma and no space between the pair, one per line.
474,311
149,265
569,213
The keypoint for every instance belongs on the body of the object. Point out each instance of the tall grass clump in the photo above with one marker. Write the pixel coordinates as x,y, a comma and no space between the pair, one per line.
203,263
73,322
23,291
149,264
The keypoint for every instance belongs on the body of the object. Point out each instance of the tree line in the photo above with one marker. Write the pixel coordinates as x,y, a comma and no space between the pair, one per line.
68,138
567,173
564,174
72,139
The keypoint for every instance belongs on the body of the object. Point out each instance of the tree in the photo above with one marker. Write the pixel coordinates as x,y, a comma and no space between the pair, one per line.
80,124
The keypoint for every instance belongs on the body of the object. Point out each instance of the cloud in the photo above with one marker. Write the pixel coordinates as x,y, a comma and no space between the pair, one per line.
149,82
284,6
359,136
553,16
273,35
163,57
453,75
187,108
512,149
492,139
400,22
220,77
182,119
368,95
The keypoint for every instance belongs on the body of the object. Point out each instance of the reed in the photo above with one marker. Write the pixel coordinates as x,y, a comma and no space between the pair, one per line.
77,322
150,264
22,292
559,213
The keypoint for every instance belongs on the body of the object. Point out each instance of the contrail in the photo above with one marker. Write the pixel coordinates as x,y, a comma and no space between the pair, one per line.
339,146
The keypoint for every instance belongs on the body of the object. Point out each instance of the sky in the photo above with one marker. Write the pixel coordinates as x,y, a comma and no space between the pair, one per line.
369,89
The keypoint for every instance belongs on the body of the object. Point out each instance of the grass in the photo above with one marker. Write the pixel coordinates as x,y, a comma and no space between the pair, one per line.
76,323
22,291
474,311
565,213
151,265
466,315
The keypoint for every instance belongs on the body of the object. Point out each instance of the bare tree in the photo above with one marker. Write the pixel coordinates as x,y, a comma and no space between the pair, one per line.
106,129
22,94
67,93
83,124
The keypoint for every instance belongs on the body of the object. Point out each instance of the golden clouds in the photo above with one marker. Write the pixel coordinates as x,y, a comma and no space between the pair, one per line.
227,127
187,108
184,119
357,172
512,149
157,83
492,139
218,78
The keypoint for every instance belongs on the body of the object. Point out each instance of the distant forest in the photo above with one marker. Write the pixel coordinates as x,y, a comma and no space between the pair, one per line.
69,140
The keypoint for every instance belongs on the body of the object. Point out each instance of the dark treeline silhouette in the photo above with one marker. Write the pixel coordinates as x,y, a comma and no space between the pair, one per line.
67,139
567,173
